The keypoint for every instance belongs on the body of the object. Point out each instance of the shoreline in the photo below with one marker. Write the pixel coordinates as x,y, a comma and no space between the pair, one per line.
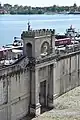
46,14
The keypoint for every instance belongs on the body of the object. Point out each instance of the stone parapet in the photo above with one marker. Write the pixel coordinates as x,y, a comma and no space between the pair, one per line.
37,33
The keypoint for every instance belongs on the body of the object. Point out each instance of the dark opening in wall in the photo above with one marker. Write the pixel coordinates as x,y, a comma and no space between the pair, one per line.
29,49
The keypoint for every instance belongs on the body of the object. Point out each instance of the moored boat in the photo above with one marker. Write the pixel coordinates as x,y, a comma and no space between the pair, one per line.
11,52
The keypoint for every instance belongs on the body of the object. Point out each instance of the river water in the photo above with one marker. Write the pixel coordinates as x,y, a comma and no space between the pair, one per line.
13,25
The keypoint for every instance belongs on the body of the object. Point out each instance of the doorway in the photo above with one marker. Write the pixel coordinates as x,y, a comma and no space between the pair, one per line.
43,94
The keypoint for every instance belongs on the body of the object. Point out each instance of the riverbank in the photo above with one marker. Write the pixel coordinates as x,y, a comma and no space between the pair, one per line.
67,107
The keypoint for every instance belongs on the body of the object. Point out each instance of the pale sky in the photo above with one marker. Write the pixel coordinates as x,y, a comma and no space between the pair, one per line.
41,2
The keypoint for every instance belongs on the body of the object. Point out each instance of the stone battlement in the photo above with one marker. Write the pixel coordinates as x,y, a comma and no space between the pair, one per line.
37,33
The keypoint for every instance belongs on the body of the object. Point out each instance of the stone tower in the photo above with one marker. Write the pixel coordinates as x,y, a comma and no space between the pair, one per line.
39,44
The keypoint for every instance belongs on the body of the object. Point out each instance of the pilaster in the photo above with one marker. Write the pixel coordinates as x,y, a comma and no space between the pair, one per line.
51,80
35,86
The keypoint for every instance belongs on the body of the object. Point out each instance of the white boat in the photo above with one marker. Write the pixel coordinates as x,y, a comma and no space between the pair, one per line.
11,52
70,32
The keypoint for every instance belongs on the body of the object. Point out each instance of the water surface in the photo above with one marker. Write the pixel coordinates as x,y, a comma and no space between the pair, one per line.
13,25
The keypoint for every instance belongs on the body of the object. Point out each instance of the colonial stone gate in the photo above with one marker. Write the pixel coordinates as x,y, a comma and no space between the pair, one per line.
40,43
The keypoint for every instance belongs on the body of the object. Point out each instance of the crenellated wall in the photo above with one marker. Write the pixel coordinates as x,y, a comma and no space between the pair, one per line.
37,33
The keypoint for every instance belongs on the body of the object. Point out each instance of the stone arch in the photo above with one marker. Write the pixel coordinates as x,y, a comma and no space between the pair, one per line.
29,49
45,47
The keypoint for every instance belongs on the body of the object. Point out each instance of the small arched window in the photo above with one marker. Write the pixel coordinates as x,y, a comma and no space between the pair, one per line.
29,49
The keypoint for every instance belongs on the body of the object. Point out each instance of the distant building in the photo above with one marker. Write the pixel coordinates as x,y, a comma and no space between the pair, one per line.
2,11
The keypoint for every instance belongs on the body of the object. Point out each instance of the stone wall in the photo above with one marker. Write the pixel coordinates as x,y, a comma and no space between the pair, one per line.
14,91
60,74
67,73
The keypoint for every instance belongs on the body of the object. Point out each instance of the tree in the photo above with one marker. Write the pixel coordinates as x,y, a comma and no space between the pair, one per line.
0,6
54,8
7,7
75,6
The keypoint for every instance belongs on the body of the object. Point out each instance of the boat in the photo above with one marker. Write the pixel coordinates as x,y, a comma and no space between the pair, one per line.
11,52
62,40
65,41
16,43
70,32
75,13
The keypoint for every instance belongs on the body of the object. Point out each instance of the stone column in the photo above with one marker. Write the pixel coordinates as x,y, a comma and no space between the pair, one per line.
51,78
50,87
35,86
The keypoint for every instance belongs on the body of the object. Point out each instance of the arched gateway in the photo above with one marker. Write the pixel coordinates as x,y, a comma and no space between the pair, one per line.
38,44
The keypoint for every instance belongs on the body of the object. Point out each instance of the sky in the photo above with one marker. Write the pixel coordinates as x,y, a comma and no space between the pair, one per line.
41,3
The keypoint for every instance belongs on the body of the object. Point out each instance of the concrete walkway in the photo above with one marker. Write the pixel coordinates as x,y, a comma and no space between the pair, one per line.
67,107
